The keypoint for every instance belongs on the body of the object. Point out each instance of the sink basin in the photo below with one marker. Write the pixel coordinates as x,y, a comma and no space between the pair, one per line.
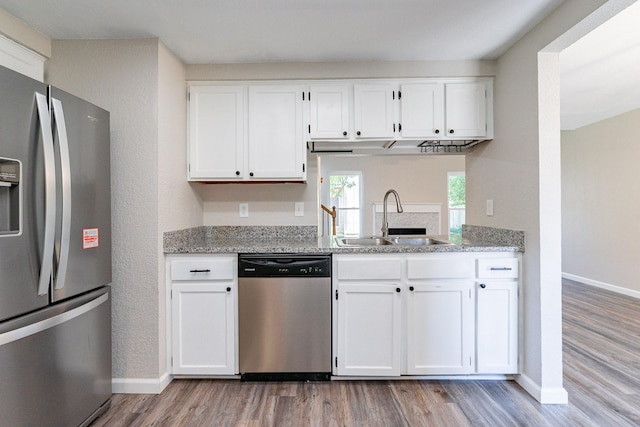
363,241
396,241
416,241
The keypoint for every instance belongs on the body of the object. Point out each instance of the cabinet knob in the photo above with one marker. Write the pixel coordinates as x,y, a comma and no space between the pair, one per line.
451,131
358,133
437,131
228,289
237,173
482,285
344,133
411,288
250,173
398,290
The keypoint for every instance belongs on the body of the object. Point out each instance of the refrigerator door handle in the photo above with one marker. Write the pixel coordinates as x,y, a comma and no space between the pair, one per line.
65,172
46,265
58,319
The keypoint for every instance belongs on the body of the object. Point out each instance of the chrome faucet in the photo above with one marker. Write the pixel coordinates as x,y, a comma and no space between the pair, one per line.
385,223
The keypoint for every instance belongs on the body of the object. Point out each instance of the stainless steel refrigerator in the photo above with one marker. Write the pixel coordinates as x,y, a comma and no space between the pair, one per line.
55,256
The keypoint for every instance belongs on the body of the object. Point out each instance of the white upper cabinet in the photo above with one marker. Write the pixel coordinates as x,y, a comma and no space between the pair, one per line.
422,110
466,110
374,110
216,132
246,133
276,134
329,111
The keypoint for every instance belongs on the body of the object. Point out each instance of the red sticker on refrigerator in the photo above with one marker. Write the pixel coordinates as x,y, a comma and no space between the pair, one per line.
90,238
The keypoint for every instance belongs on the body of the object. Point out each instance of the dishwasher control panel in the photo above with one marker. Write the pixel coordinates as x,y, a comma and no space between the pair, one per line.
284,265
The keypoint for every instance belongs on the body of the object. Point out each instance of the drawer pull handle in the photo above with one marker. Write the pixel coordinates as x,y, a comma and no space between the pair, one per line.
482,285
200,271
228,289
500,269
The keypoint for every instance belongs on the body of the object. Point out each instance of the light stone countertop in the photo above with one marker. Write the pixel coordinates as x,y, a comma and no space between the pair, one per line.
304,239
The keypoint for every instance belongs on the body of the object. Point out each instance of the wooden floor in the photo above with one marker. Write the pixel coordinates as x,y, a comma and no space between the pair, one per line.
601,374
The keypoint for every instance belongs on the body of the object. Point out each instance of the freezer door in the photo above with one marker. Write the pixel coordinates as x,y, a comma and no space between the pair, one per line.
21,141
55,364
83,232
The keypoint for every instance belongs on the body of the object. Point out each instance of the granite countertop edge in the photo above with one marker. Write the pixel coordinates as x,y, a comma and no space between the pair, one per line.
326,245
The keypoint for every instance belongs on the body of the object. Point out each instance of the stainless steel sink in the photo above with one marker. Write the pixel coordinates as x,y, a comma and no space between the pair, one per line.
416,241
396,241
363,241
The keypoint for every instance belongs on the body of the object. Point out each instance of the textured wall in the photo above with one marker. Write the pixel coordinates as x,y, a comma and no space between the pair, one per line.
178,205
600,204
520,171
122,77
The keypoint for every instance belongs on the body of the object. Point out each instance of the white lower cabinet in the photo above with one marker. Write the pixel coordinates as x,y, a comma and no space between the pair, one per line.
426,314
203,315
440,328
497,316
369,329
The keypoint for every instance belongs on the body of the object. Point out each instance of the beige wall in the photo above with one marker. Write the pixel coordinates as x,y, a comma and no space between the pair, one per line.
339,70
417,179
16,30
520,171
600,203
178,205
142,85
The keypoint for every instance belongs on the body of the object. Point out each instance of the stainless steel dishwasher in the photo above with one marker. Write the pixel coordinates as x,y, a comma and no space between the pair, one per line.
284,316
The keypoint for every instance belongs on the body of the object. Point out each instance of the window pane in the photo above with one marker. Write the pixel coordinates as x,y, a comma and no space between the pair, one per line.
457,191
345,191
457,195
344,194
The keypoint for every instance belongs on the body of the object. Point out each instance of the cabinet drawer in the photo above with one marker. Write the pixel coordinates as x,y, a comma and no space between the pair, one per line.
497,268
439,268
202,269
369,269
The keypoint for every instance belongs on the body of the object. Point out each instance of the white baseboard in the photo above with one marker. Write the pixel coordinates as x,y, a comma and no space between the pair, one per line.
140,385
546,396
603,285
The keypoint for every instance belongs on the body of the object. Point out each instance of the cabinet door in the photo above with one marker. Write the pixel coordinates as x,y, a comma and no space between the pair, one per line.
497,327
329,111
373,110
203,321
276,139
440,328
466,110
369,329
216,132
422,110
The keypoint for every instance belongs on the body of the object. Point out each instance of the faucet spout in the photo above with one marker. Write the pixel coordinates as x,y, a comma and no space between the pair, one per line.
385,223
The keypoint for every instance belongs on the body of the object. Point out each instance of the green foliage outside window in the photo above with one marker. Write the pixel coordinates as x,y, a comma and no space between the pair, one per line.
457,186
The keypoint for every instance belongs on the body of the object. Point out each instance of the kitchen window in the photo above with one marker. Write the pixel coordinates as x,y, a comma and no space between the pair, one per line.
457,192
345,193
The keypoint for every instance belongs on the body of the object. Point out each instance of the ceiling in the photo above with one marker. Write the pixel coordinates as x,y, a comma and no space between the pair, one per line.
599,73
231,31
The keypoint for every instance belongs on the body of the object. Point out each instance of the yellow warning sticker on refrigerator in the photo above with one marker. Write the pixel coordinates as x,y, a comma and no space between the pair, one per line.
90,238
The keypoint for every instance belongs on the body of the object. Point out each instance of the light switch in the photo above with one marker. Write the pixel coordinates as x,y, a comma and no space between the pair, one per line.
489,207
299,209
244,210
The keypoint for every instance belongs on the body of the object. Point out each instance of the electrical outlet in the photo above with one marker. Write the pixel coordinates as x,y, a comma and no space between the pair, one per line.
299,209
489,207
244,210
